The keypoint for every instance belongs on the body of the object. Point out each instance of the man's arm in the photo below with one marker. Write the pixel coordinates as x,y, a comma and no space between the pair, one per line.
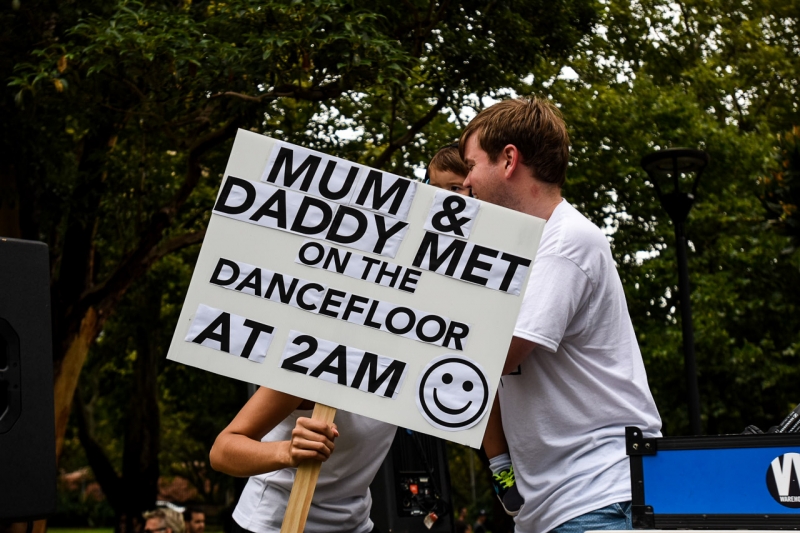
517,352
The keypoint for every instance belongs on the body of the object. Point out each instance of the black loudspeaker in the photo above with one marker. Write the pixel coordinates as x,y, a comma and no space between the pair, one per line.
27,419
412,483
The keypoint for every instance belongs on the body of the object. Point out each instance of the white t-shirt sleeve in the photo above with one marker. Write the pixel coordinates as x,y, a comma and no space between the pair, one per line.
556,292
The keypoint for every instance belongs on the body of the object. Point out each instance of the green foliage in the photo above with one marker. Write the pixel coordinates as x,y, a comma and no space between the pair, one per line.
466,469
119,116
75,509
717,76
781,189
123,112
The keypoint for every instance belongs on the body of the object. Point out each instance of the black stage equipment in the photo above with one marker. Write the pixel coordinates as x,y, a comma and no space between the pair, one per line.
27,423
413,483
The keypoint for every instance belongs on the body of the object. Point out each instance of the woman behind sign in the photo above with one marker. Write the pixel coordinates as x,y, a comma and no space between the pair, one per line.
272,434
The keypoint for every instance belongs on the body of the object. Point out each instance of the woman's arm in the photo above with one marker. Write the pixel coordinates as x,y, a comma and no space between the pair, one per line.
238,450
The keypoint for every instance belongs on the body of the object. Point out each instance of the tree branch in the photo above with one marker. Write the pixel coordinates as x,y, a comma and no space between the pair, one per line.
437,18
421,34
318,94
256,99
411,133
175,244
139,260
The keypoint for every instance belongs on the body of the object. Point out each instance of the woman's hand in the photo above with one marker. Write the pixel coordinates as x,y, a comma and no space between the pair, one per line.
311,440
238,450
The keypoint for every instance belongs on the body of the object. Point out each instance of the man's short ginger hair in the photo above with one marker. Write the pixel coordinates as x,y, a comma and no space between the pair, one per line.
448,159
535,126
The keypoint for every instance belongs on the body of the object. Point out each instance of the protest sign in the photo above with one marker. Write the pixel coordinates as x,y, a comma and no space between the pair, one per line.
357,289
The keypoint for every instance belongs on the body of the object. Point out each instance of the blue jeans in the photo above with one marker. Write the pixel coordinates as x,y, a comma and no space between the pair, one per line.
615,516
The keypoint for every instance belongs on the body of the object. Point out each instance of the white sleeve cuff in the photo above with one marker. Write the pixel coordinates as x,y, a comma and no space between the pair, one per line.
548,344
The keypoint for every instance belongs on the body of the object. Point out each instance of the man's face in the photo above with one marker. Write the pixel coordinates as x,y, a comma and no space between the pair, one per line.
448,180
485,176
156,525
197,524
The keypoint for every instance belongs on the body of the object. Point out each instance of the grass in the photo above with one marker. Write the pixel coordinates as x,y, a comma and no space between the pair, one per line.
80,530
212,529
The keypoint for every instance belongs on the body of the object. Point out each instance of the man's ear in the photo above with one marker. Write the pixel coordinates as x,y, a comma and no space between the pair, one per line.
511,159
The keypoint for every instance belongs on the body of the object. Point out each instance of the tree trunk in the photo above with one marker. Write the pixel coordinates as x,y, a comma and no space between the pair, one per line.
134,489
67,374
140,468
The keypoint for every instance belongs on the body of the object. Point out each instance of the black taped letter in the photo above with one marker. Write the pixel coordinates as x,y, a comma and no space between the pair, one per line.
338,355
221,205
360,218
412,318
374,183
289,362
455,334
257,328
216,280
279,213
429,247
431,318
474,262
285,161
301,303
370,364
301,255
309,201
325,181
252,281
223,322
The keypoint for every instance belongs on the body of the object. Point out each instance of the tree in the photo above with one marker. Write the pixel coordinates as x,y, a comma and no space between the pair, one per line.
138,417
718,76
119,117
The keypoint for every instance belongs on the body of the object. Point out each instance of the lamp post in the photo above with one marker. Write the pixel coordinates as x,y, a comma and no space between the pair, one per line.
670,172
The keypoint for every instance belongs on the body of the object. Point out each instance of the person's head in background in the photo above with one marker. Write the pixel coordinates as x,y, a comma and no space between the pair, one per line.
447,170
195,519
163,520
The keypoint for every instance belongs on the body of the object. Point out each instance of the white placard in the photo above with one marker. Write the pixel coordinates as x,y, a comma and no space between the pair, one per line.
336,252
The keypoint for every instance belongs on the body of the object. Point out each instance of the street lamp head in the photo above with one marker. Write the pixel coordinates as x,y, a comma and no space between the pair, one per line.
662,163
675,167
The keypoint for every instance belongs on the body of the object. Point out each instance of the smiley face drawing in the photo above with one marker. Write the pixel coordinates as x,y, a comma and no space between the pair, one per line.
452,393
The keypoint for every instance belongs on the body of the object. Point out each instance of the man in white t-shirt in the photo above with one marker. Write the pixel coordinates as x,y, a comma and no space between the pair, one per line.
574,376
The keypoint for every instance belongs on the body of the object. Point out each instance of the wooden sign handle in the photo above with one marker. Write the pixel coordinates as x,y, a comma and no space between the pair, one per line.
294,521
